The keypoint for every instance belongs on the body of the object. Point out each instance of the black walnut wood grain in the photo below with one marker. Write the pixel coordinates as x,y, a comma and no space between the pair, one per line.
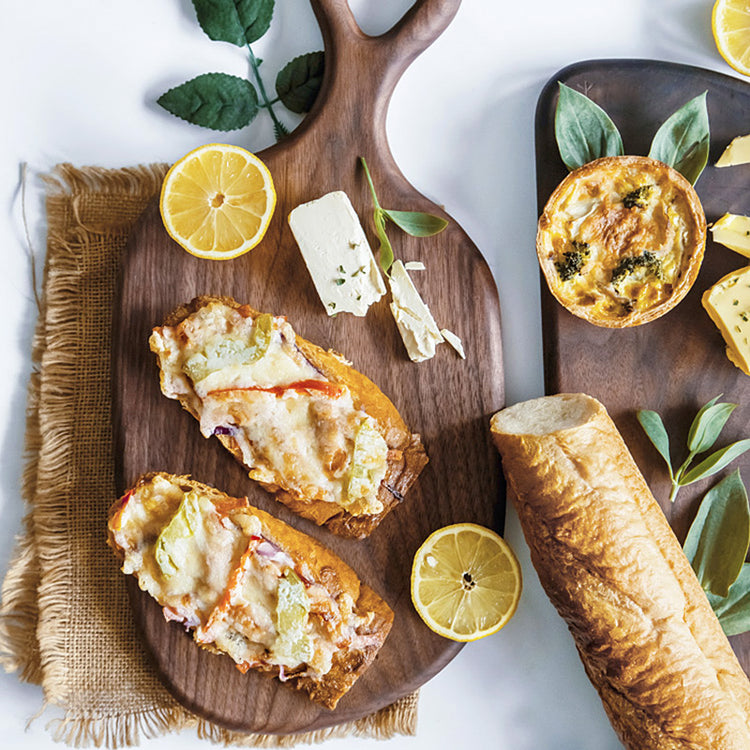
447,400
677,363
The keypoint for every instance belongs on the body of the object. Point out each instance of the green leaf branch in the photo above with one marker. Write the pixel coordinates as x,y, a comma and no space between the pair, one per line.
718,540
703,434
225,102
584,132
414,223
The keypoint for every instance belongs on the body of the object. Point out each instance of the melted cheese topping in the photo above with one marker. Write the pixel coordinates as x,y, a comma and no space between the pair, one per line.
225,580
618,238
246,378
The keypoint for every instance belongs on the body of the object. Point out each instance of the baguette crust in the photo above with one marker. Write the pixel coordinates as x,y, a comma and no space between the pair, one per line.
616,573
319,564
406,454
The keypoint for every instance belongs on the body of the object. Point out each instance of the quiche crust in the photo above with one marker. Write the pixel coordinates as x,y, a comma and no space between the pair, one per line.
621,240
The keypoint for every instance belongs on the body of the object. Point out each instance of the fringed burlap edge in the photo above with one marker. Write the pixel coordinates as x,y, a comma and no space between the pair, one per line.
32,600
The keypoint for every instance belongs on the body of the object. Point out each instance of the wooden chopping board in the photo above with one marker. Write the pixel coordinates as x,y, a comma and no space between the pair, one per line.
447,400
677,363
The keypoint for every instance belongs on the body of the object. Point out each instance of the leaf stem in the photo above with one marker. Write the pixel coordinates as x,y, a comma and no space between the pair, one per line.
674,491
279,128
369,181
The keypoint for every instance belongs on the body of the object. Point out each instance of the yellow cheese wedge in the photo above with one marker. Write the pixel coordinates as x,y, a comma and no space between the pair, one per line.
733,231
728,305
737,152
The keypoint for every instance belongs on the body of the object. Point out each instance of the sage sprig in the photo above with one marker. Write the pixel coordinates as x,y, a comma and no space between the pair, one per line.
716,546
584,132
225,102
683,140
733,610
703,434
414,223
719,537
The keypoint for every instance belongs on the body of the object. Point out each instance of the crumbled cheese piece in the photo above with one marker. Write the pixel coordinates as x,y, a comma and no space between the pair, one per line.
454,341
728,304
414,265
737,152
733,231
415,323
337,254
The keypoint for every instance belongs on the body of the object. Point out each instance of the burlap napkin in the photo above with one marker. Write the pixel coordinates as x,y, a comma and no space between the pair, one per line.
65,621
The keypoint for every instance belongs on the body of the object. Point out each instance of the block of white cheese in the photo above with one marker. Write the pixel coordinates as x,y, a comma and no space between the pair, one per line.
728,304
337,254
733,231
737,152
414,320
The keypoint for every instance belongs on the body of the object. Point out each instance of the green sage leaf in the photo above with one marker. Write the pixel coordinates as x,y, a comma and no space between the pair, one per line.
416,223
719,536
298,82
385,256
708,424
213,100
683,140
715,462
583,130
239,22
656,432
733,610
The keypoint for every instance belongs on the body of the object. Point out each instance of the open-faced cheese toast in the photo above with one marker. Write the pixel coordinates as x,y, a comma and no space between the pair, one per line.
305,424
249,585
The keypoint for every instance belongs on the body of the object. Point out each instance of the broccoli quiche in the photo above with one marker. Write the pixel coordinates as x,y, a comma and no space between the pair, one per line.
621,240
248,585
306,425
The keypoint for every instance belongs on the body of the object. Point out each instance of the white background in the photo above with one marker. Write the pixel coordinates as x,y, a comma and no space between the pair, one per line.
79,81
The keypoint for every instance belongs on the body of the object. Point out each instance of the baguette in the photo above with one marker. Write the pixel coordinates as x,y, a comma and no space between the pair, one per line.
249,585
305,424
614,570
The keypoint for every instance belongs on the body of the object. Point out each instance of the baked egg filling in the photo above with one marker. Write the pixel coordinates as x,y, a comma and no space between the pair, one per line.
619,240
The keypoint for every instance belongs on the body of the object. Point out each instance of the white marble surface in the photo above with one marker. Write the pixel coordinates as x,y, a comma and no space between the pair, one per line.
79,80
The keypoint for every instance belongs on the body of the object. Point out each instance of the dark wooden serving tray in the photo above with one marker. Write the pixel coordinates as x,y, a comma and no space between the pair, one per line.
676,363
447,400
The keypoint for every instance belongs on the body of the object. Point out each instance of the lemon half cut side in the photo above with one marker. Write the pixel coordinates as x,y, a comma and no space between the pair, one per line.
730,24
465,582
217,201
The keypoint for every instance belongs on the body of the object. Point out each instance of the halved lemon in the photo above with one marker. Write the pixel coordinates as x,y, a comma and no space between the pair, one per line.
730,23
217,201
465,582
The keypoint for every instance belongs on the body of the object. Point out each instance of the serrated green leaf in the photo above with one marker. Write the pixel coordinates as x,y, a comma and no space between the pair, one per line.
718,539
213,100
416,223
715,462
683,140
708,424
654,428
584,131
298,82
733,610
239,22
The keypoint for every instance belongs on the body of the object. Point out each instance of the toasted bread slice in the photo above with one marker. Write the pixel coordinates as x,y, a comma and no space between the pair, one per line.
249,585
307,426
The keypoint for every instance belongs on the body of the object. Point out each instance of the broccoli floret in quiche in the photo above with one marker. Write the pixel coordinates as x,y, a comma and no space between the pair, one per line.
572,260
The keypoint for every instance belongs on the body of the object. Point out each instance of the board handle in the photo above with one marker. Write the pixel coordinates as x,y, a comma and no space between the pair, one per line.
361,71
411,35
